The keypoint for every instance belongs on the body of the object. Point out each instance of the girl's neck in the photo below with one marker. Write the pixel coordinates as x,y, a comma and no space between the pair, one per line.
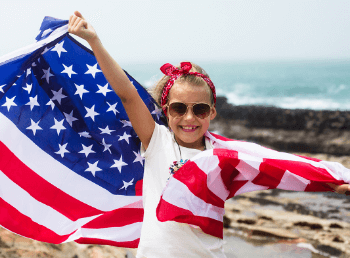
199,145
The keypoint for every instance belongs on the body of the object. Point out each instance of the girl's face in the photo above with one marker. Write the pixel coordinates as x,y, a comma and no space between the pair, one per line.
189,129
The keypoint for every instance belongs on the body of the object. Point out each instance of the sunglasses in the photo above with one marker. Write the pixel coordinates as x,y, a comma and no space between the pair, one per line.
179,109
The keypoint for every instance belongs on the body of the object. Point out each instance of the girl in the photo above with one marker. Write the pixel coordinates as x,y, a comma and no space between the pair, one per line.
187,97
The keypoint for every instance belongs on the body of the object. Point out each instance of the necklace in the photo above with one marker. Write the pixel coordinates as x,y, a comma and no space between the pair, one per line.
177,165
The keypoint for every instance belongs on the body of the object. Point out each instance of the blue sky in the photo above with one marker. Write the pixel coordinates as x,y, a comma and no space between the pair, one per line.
171,31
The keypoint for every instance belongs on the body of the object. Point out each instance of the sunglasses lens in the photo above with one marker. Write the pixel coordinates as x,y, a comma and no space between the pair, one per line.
177,109
201,110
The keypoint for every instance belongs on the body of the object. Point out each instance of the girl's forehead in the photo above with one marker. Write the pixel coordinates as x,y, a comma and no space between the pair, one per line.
185,92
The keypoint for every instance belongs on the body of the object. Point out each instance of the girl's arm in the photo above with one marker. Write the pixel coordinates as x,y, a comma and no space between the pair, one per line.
138,113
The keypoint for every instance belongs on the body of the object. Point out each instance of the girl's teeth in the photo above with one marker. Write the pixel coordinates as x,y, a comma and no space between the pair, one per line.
187,128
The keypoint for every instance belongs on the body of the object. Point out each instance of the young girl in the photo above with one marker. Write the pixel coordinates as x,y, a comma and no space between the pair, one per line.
187,97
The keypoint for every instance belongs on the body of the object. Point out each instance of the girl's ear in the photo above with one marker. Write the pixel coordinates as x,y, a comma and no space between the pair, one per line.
213,113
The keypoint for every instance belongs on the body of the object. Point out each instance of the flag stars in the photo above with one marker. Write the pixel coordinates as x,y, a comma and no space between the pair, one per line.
59,48
119,164
157,111
47,75
91,112
33,102
93,70
62,150
70,118
29,71
68,70
127,184
58,126
51,104
84,134
28,88
103,89
57,95
125,137
107,146
34,126
80,90
138,158
2,88
9,103
106,130
45,50
126,123
87,150
112,108
93,168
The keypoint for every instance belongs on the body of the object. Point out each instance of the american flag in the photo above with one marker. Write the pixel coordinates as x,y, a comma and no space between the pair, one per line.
197,192
70,163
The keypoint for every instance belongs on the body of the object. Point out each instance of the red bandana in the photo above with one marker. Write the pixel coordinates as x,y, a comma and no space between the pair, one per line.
175,74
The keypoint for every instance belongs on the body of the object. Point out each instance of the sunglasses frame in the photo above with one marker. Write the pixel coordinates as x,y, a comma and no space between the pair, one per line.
189,106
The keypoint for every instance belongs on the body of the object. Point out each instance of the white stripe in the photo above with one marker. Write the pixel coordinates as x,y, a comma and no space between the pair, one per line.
293,182
250,187
31,48
37,211
129,232
58,174
175,193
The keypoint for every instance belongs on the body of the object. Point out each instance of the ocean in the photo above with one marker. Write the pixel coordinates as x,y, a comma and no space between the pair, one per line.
318,85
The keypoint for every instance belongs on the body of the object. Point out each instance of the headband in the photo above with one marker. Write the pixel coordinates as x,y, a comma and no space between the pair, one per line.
175,74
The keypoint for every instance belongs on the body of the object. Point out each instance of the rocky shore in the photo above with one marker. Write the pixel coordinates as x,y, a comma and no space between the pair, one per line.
299,130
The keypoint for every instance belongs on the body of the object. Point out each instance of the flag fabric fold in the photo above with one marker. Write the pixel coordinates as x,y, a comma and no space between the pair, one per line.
70,163
198,190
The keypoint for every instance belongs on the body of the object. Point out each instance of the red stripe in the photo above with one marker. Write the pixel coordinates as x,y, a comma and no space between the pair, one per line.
116,218
128,244
47,193
166,211
196,181
222,138
15,221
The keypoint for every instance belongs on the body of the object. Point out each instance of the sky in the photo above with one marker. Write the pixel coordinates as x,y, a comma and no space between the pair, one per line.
207,30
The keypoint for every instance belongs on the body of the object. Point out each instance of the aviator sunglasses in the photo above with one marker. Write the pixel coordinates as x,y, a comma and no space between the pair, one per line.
179,109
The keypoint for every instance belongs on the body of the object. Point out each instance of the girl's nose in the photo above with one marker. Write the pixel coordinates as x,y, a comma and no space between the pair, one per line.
189,116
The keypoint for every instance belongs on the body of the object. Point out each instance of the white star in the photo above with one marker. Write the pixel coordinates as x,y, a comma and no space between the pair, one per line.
127,184
1,88
57,95
157,111
138,158
62,150
107,146
58,126
106,130
28,88
91,112
45,50
103,89
33,102
34,126
33,64
9,103
126,123
47,75
29,71
85,134
51,104
70,118
93,70
80,90
93,168
87,150
45,32
68,70
112,108
119,164
59,48
124,137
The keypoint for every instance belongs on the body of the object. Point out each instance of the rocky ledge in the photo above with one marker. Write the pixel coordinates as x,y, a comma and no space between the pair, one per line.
299,130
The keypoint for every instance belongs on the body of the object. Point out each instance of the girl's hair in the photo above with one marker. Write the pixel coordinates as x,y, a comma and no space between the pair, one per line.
157,90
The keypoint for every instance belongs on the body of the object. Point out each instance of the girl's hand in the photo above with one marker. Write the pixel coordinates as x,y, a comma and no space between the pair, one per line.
79,26
341,189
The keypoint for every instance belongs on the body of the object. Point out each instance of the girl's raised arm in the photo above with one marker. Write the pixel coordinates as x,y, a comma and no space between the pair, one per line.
139,115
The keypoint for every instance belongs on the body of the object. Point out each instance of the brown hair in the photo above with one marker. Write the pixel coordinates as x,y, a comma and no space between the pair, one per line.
157,90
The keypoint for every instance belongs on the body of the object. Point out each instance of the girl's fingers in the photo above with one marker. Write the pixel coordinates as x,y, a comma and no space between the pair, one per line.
82,24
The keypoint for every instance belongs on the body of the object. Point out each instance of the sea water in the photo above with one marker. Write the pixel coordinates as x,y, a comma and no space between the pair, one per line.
318,84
